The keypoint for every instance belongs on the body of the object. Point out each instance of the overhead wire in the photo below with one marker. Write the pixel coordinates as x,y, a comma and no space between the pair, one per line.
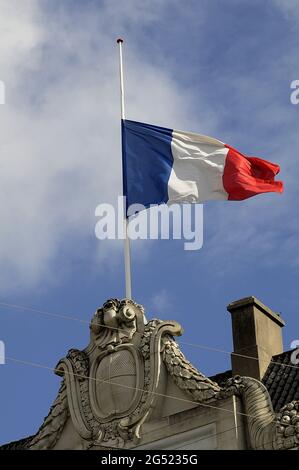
68,317
204,405
195,345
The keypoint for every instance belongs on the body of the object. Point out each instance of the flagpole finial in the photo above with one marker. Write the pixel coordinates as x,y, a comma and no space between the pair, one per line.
119,40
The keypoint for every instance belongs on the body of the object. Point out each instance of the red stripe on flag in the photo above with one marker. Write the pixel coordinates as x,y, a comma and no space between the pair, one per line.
244,177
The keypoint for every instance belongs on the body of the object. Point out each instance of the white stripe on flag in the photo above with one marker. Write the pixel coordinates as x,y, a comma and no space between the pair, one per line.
198,165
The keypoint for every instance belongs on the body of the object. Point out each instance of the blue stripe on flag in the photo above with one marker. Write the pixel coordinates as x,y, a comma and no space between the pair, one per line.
147,162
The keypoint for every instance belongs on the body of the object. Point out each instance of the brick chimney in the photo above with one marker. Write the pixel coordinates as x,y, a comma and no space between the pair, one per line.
256,333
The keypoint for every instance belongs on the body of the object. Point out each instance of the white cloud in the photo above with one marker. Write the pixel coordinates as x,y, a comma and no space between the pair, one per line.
289,8
161,302
20,34
60,146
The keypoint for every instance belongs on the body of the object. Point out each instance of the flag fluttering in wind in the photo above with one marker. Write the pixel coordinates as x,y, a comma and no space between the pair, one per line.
162,165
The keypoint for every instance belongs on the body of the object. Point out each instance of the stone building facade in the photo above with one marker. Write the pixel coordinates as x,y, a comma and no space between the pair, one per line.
133,388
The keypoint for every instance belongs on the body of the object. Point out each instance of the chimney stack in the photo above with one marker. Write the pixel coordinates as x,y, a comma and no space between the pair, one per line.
256,333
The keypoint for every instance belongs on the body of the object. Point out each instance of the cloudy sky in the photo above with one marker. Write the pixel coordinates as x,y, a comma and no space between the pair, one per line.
218,68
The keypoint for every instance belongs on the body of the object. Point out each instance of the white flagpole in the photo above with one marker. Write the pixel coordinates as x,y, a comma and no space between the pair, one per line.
127,253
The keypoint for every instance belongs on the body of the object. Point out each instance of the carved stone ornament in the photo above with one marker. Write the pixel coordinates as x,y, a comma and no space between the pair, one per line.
111,388
112,384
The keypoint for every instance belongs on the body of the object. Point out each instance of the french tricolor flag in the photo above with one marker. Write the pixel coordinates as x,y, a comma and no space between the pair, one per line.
162,165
